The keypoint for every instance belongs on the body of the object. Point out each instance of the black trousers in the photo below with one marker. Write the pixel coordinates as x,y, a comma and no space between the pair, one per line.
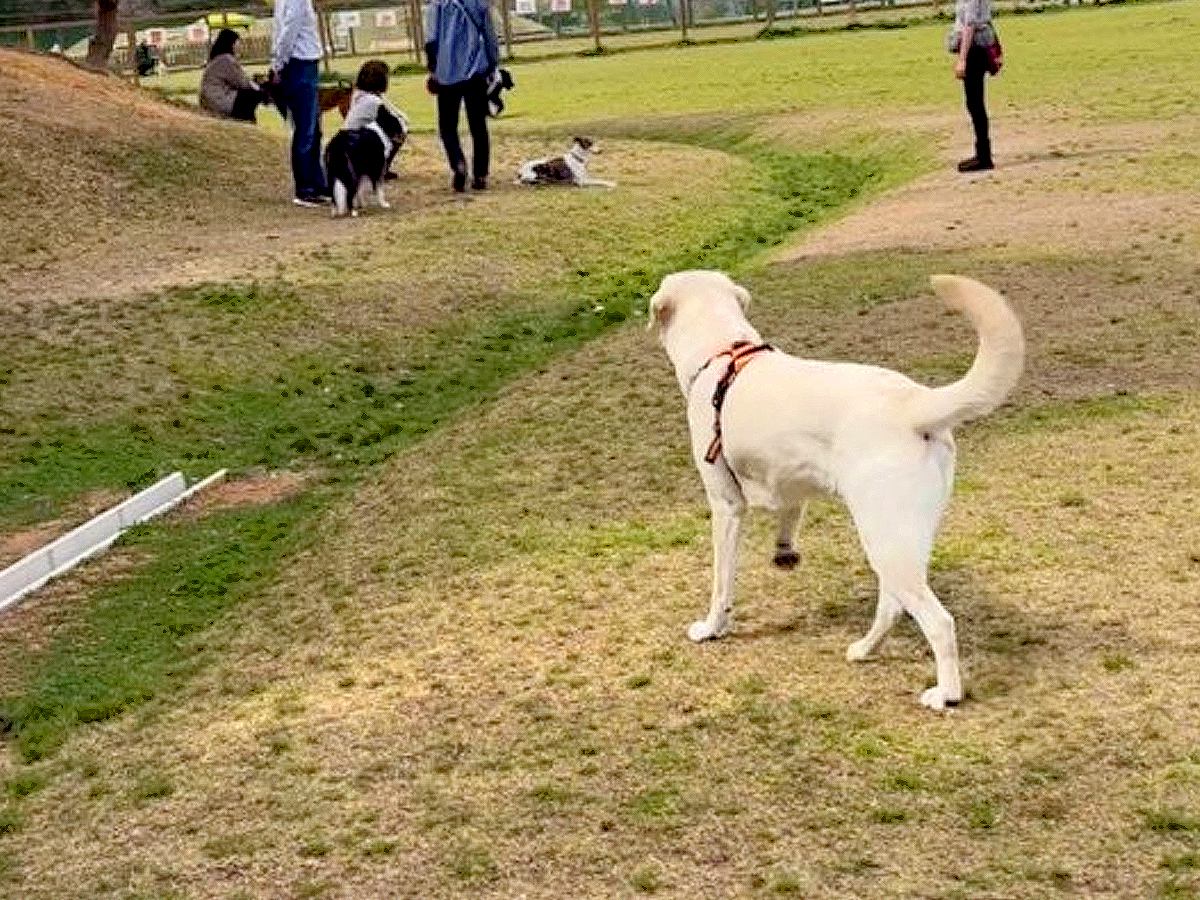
245,105
473,95
977,65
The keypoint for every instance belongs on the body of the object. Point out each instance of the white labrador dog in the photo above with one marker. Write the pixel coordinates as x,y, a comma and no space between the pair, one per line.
791,428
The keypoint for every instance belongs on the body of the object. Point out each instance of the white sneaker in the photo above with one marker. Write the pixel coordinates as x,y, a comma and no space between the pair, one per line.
310,202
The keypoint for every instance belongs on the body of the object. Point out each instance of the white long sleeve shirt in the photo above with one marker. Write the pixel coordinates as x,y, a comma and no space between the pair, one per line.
296,34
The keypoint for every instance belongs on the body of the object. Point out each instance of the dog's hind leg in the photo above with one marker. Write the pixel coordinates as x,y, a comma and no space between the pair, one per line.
380,199
786,556
727,513
897,526
341,205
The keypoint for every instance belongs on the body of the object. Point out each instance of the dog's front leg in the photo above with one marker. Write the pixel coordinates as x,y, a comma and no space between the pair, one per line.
379,198
726,530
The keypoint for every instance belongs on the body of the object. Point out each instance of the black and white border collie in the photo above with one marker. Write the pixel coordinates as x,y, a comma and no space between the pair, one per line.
568,169
357,157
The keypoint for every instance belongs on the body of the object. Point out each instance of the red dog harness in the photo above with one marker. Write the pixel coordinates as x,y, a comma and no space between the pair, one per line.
739,355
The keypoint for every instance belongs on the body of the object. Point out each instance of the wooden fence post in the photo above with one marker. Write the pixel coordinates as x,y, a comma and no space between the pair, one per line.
323,36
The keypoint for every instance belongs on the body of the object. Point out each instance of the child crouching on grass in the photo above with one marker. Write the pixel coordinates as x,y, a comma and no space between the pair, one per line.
368,96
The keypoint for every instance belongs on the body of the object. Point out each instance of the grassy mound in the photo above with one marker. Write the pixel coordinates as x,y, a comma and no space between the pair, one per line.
83,155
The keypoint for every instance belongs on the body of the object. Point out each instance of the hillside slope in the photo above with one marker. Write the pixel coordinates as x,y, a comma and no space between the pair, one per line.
91,166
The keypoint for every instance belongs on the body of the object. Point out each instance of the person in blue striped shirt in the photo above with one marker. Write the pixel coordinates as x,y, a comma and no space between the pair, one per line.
295,54
462,53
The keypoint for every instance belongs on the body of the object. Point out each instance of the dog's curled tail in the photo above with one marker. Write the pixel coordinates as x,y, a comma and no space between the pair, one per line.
998,362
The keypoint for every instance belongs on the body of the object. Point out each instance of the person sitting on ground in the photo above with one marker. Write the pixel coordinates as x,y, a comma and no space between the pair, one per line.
225,88
370,86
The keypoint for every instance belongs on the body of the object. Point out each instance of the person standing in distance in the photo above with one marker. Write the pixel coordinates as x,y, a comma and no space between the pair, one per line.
969,38
295,57
462,52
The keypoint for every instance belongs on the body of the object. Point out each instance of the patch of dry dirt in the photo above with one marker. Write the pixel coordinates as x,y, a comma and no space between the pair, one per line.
249,490
1037,197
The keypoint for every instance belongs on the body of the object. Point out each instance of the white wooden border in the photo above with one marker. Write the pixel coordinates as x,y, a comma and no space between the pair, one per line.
26,576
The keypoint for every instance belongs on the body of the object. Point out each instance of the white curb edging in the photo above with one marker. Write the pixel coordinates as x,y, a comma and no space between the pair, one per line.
63,554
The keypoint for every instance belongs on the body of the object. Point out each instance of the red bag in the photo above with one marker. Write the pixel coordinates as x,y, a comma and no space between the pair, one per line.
995,57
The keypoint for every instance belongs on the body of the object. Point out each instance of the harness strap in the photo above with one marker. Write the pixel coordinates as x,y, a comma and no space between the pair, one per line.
739,355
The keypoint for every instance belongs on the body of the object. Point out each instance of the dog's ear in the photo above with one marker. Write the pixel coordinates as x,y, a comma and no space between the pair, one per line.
743,296
660,310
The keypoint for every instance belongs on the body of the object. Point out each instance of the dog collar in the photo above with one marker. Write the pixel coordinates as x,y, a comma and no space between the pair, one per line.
740,353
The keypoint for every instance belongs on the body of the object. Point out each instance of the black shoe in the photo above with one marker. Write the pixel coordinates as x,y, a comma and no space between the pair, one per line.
975,164
459,181
479,184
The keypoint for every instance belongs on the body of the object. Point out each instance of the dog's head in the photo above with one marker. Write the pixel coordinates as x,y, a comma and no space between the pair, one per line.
583,147
697,295
393,125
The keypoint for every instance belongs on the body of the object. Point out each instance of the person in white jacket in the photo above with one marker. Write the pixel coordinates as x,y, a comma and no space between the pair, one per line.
370,89
295,54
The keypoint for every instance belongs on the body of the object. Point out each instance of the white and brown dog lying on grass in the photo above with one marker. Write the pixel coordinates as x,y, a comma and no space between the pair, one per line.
790,428
568,169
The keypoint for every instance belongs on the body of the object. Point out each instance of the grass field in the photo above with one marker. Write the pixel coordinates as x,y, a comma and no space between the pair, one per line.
430,642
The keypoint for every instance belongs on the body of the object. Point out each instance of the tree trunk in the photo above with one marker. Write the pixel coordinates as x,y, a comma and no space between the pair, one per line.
101,44
683,18
506,21
770,14
417,27
593,9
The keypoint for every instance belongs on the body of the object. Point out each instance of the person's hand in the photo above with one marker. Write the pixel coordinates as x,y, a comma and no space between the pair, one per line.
431,84
960,68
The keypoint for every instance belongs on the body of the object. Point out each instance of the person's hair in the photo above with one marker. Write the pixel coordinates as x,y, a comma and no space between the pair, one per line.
226,38
373,77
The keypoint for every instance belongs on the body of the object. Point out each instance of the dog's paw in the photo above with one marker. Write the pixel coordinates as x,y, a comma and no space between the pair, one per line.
786,559
383,204
702,631
858,651
935,698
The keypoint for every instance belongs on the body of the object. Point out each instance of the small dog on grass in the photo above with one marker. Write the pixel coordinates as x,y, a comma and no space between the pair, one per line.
357,158
786,429
568,169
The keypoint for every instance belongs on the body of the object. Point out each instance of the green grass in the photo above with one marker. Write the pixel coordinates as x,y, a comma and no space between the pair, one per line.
141,634
475,677
339,416
815,72
332,411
